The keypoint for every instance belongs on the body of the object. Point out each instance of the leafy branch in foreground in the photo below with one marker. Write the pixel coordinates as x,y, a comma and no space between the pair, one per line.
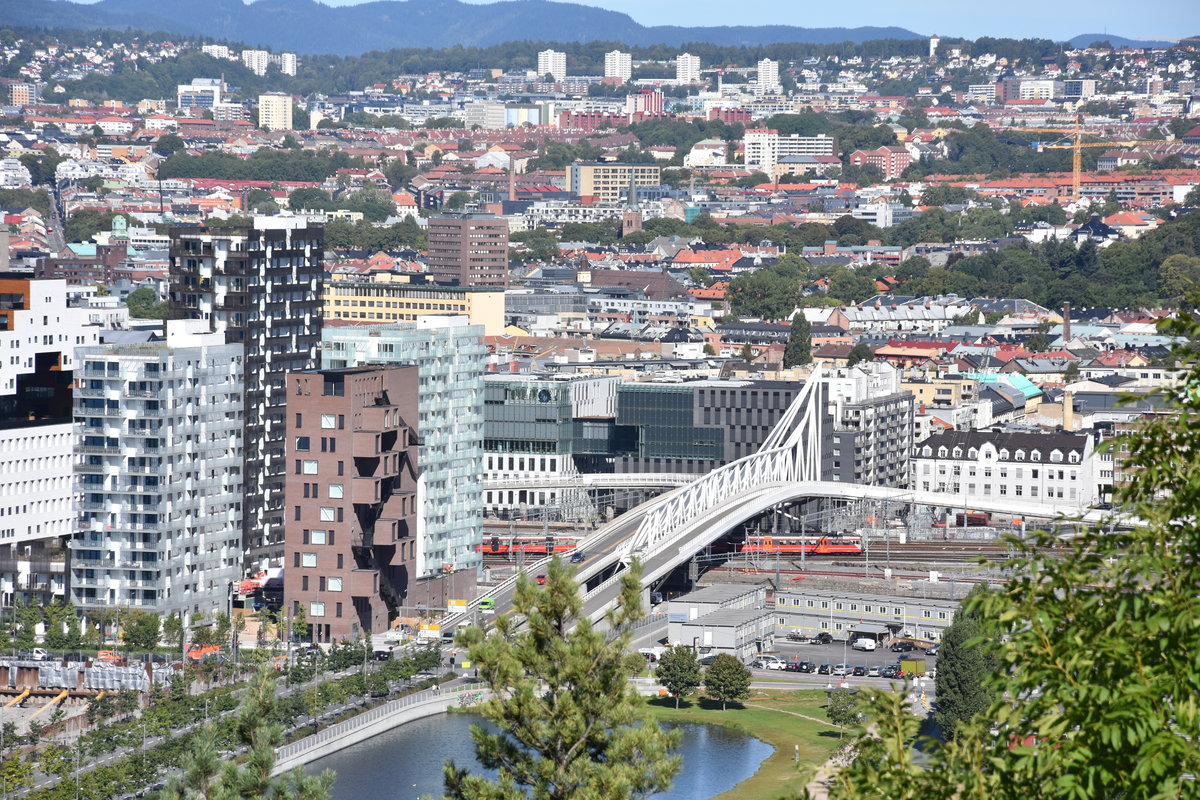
1098,684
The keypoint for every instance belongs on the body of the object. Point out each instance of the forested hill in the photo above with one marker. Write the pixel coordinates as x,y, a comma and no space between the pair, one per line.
308,27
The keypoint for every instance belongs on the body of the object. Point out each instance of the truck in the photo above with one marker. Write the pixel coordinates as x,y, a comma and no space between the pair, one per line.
913,666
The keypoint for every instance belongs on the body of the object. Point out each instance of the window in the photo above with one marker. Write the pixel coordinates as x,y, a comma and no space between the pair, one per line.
302,443
316,609
328,514
316,537
329,421
310,467
308,559
335,584
337,491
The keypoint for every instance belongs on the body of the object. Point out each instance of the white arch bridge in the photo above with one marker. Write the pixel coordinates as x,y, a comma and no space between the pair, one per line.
668,530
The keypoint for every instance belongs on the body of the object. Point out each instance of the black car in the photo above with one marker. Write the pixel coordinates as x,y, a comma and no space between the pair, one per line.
860,672
890,671
903,647
806,666
824,669
822,638
383,655
577,556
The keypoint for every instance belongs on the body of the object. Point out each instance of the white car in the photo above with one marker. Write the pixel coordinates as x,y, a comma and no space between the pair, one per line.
841,669
768,662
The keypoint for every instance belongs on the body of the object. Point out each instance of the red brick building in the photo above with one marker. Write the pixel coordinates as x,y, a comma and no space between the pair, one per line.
350,530
892,161
468,249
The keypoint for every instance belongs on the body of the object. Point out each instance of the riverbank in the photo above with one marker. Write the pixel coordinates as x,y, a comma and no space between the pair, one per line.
790,721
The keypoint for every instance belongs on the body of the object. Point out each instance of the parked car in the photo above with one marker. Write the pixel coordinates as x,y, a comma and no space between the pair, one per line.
797,637
903,647
841,669
822,638
864,644
889,671
873,672
860,671
704,661
39,654
933,651
767,662
806,666
541,579
824,669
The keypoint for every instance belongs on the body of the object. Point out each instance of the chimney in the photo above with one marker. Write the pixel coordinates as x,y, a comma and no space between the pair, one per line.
1066,322
512,366
1068,411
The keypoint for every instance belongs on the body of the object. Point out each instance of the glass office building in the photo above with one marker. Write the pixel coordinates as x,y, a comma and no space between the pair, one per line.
450,357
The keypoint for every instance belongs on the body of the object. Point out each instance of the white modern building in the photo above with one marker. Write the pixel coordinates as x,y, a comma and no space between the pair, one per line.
768,77
687,68
618,64
160,479
765,148
38,337
256,61
1049,468
287,63
450,354
553,63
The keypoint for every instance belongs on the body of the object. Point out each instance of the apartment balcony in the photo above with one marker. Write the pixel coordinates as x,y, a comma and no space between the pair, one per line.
363,583
367,491
99,450
95,468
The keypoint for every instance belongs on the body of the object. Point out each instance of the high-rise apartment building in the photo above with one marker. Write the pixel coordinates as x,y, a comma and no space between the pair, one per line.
768,77
607,181
216,51
287,63
687,68
22,94
256,61
351,543
618,64
765,148
552,63
38,337
449,355
468,248
200,93
872,425
160,474
261,287
275,111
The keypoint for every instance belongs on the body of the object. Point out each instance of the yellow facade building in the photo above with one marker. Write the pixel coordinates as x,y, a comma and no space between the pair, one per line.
382,299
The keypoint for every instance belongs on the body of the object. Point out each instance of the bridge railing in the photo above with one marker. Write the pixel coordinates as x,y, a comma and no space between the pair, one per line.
782,458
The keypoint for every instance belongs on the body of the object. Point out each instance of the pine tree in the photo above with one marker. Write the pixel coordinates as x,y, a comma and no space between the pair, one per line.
965,665
570,726
209,774
727,679
679,672
799,343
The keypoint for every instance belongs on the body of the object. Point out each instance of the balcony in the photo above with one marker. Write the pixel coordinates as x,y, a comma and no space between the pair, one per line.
98,450
367,490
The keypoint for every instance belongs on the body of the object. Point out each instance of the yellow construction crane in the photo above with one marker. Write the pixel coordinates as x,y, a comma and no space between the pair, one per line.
1076,145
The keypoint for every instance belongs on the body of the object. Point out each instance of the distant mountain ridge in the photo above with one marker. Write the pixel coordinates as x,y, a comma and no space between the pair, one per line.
1088,39
305,26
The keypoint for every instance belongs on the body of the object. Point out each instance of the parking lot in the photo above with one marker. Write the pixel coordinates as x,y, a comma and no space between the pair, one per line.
839,653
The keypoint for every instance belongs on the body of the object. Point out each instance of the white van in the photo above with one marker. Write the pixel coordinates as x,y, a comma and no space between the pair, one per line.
864,644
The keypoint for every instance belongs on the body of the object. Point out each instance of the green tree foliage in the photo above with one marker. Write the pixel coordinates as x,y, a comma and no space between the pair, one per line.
41,167
144,304
264,164
27,618
1097,674
859,353
87,222
207,775
727,679
679,672
310,198
141,629
770,293
373,204
843,708
799,343
168,143
172,630
37,199
850,286
966,664
570,726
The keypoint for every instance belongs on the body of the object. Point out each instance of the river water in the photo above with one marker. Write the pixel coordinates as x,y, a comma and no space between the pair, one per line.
406,762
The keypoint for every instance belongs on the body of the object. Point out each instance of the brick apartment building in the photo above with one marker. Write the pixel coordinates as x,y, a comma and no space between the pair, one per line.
100,264
469,249
892,161
350,536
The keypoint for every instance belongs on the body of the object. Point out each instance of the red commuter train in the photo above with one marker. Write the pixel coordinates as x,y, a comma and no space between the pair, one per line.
815,545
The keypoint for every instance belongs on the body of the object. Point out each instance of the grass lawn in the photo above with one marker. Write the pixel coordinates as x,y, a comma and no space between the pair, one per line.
764,717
